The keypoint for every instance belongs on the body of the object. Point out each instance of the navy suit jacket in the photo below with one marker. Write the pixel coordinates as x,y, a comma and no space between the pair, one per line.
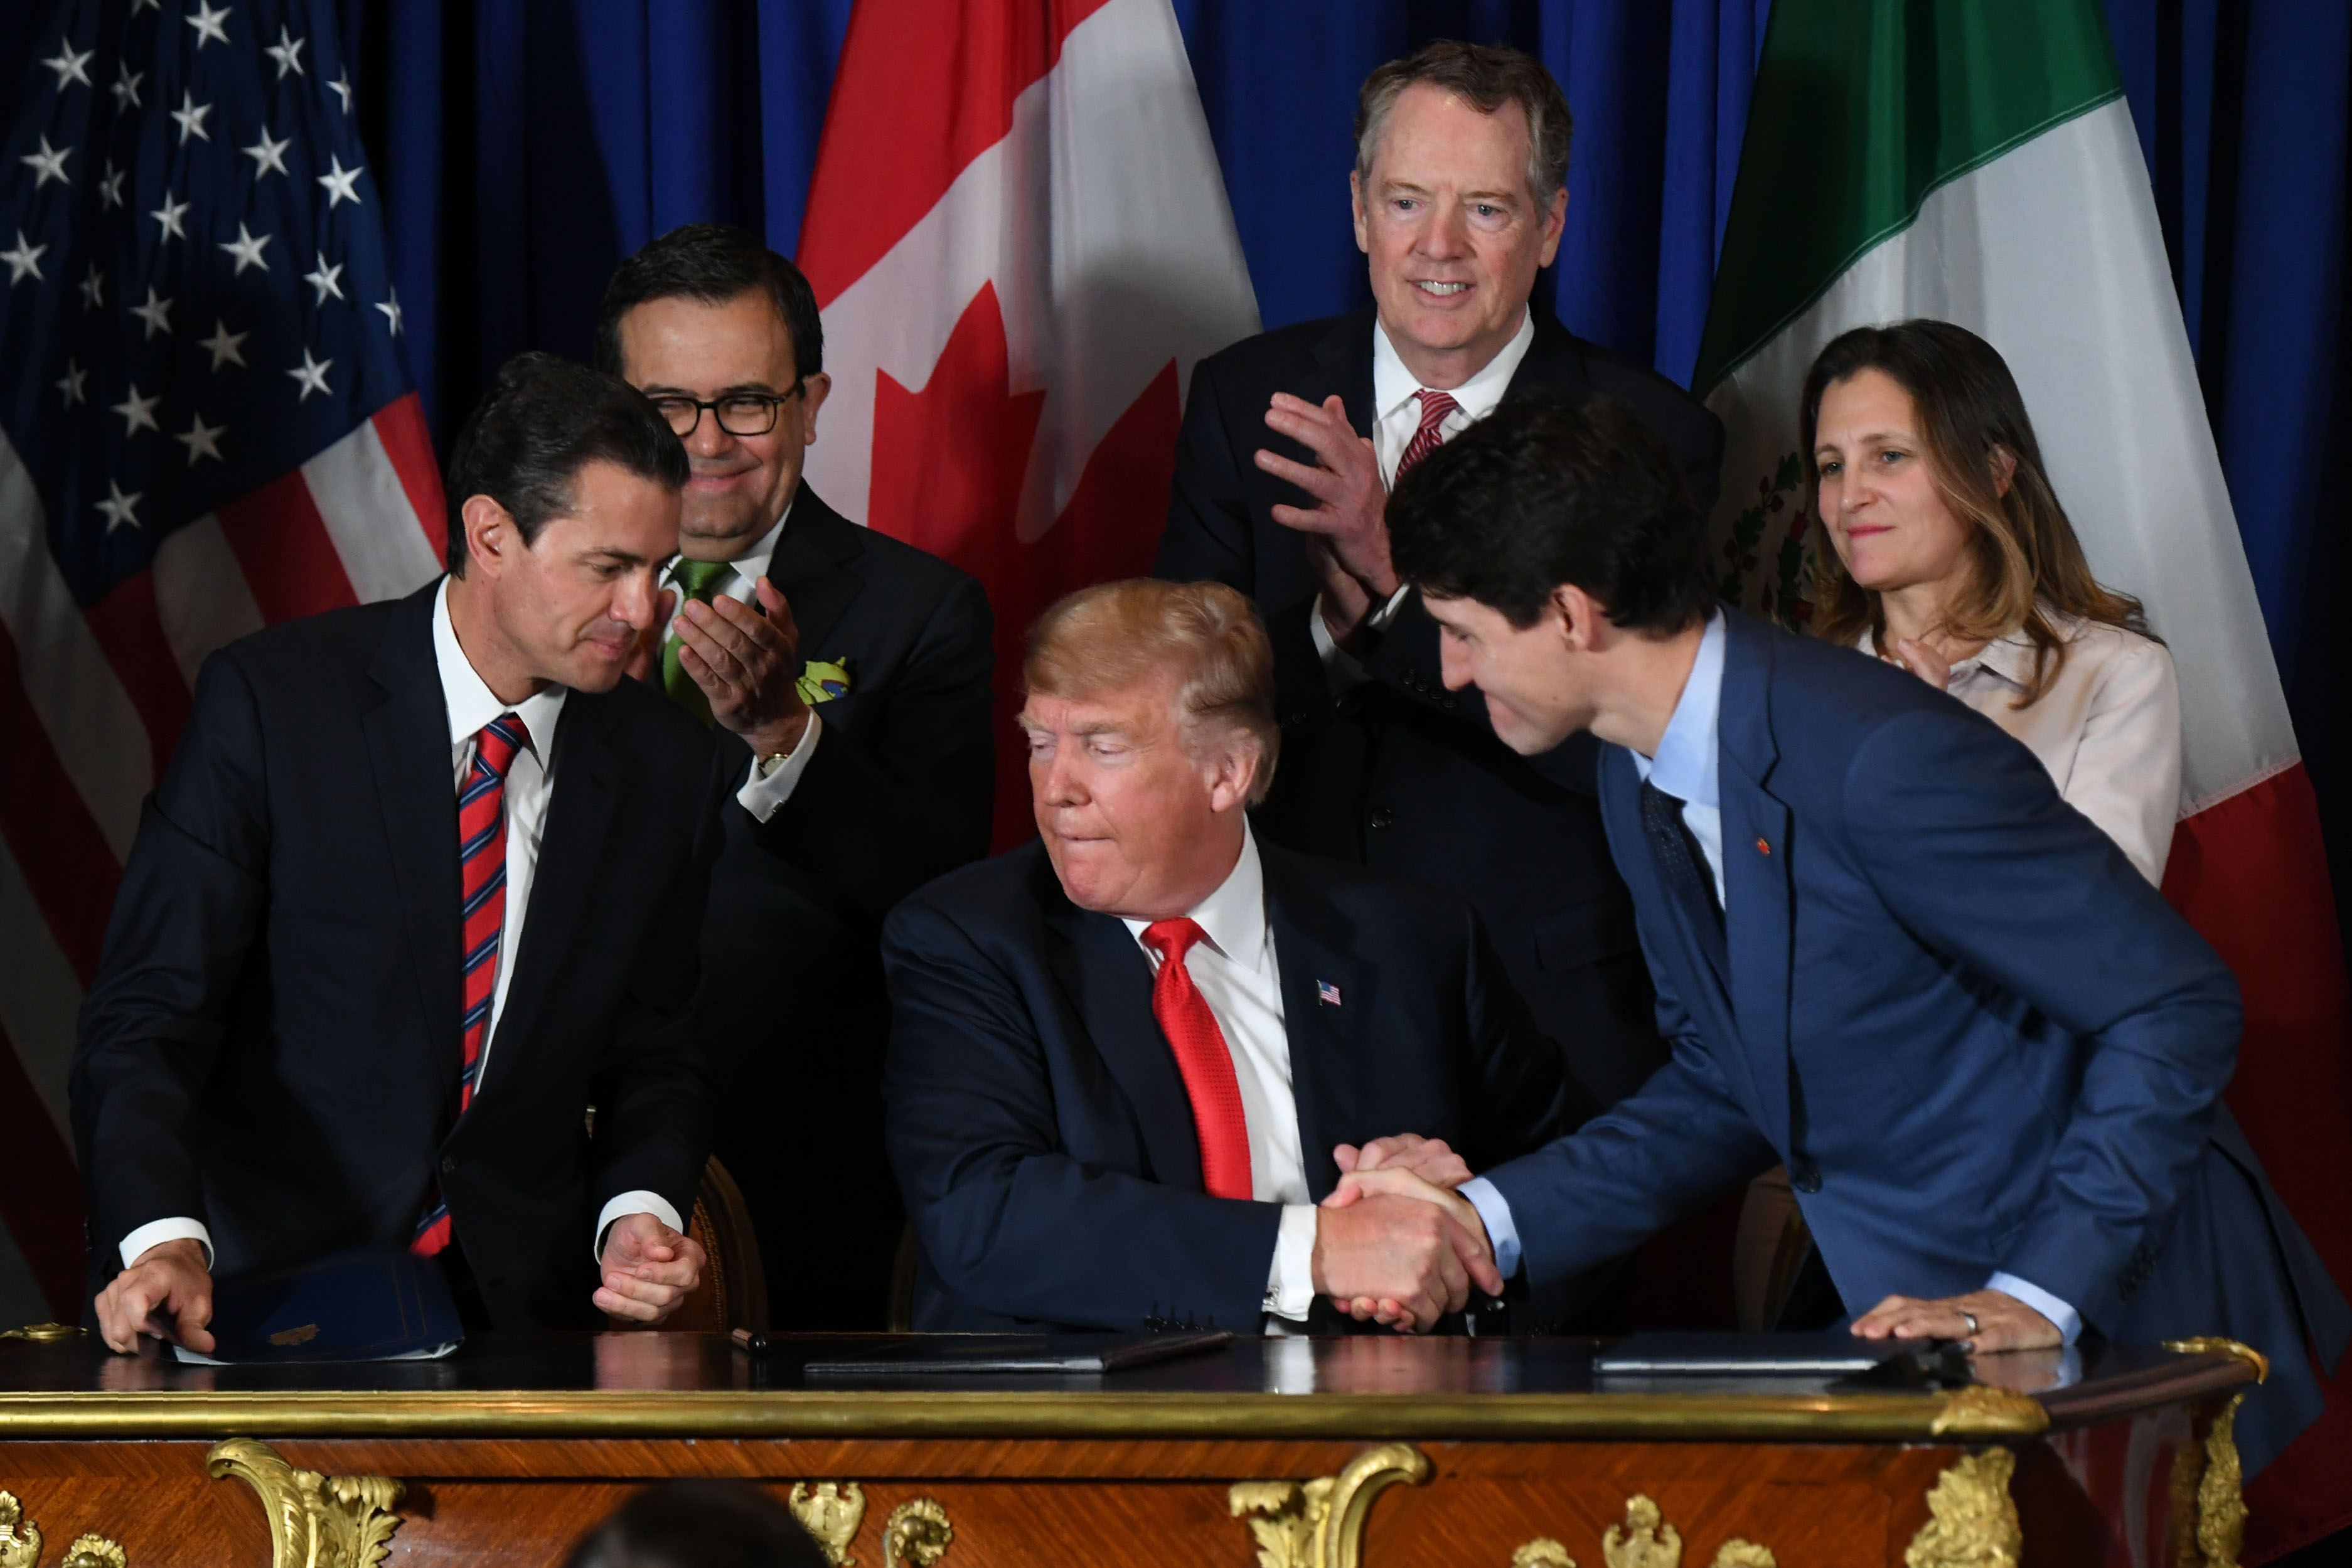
271,1041
1041,1131
791,1014
1952,1008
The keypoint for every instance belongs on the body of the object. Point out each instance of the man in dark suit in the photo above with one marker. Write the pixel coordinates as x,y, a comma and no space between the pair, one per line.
1887,954
1290,442
849,675
1126,1062
321,1019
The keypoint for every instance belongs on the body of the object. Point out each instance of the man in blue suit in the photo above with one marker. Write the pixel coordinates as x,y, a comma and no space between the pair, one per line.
1887,953
1128,1059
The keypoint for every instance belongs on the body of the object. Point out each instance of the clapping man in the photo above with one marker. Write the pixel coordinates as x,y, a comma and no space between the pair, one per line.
848,676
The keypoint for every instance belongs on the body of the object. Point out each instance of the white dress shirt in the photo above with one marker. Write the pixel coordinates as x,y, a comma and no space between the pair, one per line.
2108,729
1233,968
771,779
530,787
1687,767
1396,419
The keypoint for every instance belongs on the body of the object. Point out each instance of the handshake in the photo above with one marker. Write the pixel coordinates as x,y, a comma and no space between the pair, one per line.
1395,1243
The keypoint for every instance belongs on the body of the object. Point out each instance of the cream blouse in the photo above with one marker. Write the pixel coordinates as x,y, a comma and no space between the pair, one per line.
2108,729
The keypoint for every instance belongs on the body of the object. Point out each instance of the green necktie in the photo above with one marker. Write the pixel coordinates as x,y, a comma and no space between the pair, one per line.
698,580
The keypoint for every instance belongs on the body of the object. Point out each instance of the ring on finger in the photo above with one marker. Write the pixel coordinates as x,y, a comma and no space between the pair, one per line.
1971,1319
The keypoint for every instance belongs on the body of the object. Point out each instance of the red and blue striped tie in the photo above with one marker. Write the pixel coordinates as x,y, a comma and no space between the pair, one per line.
482,911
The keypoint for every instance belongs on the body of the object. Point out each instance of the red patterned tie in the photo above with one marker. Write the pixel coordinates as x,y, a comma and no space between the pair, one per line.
1201,1057
1434,407
482,914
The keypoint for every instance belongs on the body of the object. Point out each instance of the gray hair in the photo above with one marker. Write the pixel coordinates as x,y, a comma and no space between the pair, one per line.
1488,77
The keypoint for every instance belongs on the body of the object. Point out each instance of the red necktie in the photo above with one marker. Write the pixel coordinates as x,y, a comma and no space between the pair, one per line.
1434,407
482,914
1201,1057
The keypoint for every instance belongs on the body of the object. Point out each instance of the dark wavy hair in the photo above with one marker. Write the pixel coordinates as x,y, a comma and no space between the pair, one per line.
1549,490
2027,567
542,421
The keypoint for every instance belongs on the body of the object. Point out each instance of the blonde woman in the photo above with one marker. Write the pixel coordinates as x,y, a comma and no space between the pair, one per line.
1952,558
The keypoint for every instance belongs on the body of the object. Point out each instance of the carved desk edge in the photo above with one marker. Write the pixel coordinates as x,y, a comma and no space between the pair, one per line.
1978,1412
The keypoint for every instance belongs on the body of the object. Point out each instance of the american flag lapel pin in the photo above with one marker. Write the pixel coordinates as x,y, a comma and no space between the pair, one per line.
1328,992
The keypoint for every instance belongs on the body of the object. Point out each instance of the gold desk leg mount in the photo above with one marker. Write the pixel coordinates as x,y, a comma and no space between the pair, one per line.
315,1520
1645,1541
20,1543
1971,1519
2207,1477
917,1532
832,1511
1320,1523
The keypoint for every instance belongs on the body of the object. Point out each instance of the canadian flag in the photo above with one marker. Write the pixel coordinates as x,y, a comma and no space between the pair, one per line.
1020,243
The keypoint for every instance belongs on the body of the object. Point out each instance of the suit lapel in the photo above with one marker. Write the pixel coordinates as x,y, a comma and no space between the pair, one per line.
815,569
1555,362
1108,979
563,883
416,796
1756,854
1344,358
1313,946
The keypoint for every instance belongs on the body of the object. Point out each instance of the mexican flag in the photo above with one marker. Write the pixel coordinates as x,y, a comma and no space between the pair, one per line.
1976,162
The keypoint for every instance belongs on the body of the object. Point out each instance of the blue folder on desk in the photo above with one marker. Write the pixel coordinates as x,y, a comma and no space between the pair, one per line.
361,1305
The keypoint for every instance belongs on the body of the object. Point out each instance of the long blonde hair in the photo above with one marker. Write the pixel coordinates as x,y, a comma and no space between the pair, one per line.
2029,567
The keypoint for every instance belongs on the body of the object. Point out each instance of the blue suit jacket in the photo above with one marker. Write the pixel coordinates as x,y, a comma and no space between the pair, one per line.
1951,998
1041,1132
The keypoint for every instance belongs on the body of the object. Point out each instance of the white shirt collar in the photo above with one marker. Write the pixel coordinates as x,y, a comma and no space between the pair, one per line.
2010,658
1234,917
1393,385
752,564
471,703
1685,766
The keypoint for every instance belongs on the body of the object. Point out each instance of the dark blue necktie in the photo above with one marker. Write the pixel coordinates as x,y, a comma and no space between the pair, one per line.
1677,857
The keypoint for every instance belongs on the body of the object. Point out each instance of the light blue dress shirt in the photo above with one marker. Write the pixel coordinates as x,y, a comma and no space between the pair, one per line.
1685,769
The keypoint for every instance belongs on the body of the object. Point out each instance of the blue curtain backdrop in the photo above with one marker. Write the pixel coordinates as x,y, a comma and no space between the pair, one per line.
524,146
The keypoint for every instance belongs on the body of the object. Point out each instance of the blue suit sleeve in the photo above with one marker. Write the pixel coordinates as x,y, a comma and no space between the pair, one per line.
1971,849
1679,1141
1007,1218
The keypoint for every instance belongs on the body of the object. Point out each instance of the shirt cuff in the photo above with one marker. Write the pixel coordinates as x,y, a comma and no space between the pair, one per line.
628,1203
767,788
155,1232
1290,1281
1501,1233
1342,669
2068,1321
1383,618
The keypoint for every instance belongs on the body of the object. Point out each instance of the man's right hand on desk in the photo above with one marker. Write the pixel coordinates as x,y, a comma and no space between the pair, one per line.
167,1292
1392,1248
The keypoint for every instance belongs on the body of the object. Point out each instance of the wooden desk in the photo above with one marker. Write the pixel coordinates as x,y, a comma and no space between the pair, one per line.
1389,1453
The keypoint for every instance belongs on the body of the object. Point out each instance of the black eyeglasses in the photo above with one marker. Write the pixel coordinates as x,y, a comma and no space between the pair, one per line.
738,414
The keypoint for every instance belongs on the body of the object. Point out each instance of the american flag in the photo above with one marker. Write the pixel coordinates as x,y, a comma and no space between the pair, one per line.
204,428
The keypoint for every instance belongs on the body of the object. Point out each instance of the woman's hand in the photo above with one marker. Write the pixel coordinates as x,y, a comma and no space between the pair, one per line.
1924,660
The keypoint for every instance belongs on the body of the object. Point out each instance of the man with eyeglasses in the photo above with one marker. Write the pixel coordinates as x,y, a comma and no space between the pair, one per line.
854,670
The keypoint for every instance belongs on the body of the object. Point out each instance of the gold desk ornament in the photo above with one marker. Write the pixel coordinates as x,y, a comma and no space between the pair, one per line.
20,1538
44,1333
1972,1521
315,1520
1543,1551
2208,1502
1320,1523
917,1532
94,1551
1978,1410
832,1511
2208,1345
1645,1541
1738,1553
